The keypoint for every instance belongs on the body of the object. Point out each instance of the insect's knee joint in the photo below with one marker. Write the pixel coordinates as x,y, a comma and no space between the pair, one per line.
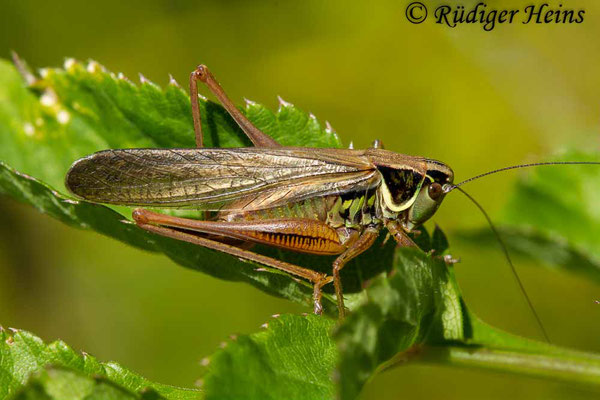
139,216
201,73
323,280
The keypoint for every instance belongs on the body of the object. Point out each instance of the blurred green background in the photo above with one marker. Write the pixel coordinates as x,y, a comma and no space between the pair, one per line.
474,99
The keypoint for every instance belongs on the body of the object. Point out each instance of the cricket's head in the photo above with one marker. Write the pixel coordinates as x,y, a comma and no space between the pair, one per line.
430,195
412,188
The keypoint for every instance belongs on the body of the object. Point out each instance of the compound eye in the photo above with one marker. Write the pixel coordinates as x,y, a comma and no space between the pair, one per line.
435,191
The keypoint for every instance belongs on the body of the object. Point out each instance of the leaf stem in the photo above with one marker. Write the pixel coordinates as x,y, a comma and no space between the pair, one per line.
577,367
493,349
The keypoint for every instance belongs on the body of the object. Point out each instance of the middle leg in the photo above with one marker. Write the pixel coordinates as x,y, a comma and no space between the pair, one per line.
365,240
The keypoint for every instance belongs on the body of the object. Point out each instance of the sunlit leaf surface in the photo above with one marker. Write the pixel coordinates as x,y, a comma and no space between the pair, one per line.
24,356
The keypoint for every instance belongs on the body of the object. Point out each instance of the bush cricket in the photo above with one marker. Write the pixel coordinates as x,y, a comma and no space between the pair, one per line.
312,200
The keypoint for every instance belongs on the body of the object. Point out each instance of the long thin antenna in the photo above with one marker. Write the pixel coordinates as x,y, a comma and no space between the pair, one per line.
448,188
505,251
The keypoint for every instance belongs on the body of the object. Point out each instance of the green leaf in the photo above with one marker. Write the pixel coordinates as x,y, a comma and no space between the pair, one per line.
22,355
61,384
72,112
78,110
418,315
292,358
418,304
561,201
295,357
553,216
417,312
557,207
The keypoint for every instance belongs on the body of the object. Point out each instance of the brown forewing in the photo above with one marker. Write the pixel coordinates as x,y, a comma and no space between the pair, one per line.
211,179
